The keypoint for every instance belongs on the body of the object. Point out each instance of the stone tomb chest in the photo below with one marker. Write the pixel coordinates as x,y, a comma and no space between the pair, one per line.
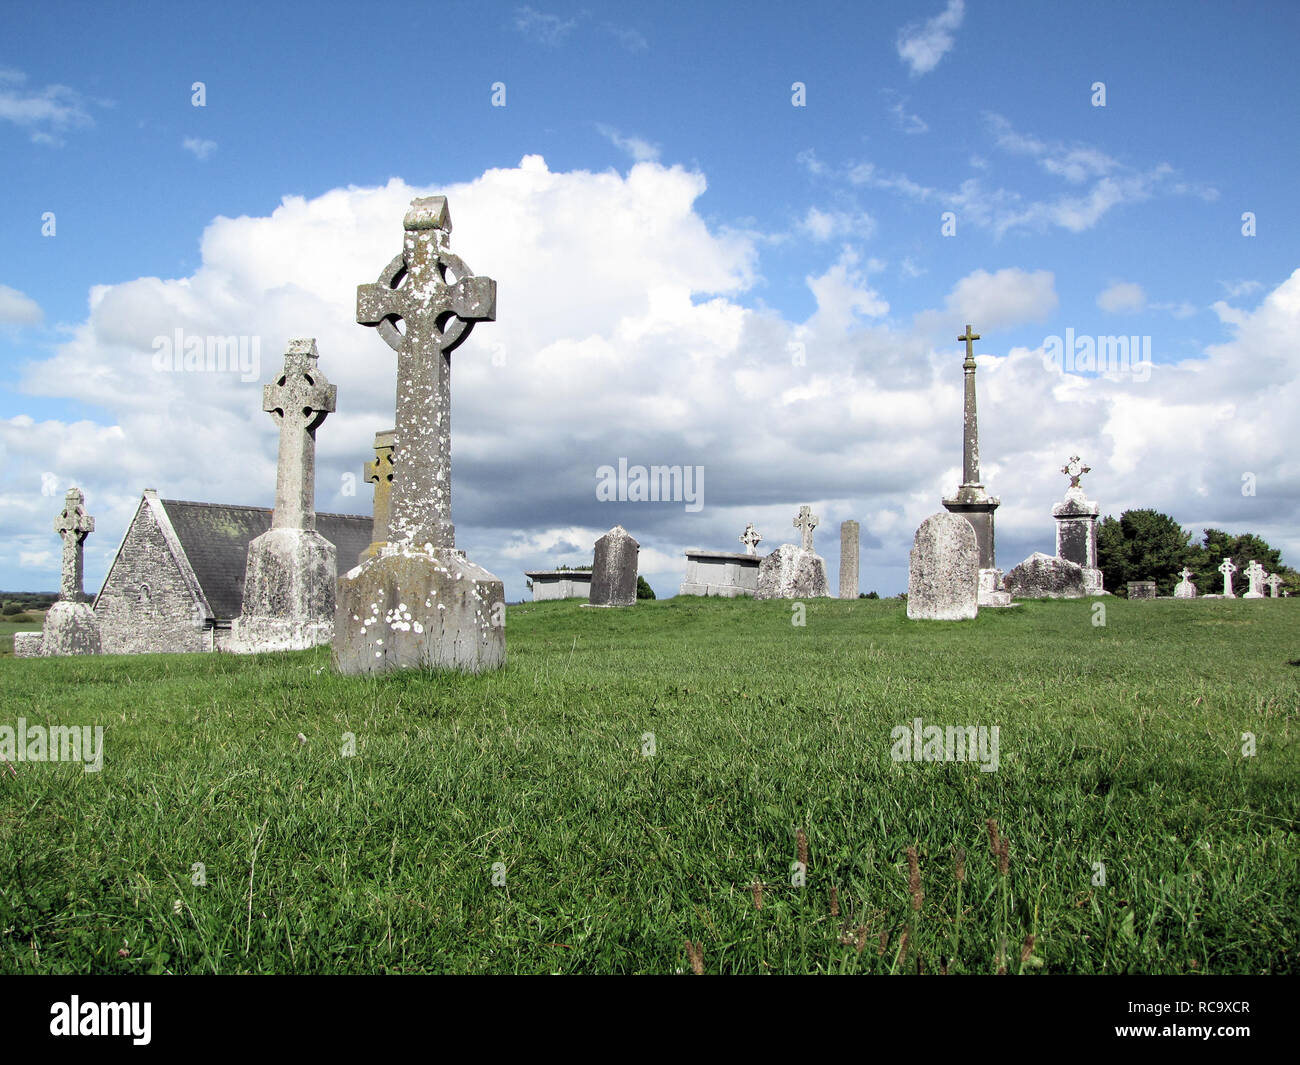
725,573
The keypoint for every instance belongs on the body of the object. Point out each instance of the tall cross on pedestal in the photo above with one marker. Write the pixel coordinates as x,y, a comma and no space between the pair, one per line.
438,315
73,526
806,521
1074,469
970,449
750,539
298,400
1228,568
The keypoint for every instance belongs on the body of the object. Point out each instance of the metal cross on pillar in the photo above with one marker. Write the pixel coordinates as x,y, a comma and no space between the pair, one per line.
438,299
299,400
73,526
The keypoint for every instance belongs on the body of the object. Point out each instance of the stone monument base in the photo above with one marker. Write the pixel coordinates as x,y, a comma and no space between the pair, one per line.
1043,576
991,593
411,608
1092,582
28,644
290,575
253,635
790,572
71,629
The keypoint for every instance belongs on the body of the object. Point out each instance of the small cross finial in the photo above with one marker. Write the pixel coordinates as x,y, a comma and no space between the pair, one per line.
970,337
1074,469
750,538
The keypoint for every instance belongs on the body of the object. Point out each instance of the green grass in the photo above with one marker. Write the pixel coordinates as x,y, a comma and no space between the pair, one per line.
1120,744
26,622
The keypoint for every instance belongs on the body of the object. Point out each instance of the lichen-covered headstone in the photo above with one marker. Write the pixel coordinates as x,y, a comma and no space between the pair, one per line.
613,569
1185,589
419,602
943,572
1043,576
71,627
292,569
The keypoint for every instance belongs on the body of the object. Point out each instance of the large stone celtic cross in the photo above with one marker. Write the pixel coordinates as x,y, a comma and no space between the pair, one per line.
806,521
73,526
438,299
298,401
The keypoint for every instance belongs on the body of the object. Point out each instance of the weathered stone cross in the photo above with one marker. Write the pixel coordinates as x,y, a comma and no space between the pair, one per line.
1228,568
1186,574
73,526
1074,469
806,522
1273,581
970,457
380,474
970,338
298,400
750,539
1255,577
438,315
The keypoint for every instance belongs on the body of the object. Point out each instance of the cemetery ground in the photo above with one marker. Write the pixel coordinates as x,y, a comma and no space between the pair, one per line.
526,821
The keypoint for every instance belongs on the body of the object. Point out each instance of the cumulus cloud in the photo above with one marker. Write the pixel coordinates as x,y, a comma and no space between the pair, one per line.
45,113
1122,296
629,328
17,308
921,45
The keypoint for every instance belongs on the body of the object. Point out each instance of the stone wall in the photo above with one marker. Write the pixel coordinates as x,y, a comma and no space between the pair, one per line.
145,605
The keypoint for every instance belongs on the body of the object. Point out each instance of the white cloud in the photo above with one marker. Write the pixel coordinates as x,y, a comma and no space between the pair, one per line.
45,112
623,331
826,225
200,148
638,148
922,45
549,29
17,308
1122,297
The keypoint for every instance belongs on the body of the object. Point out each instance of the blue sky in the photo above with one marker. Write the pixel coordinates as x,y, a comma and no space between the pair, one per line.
818,225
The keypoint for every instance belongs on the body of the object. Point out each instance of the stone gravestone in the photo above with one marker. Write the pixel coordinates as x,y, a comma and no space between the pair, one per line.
1274,582
613,569
380,474
419,602
1255,575
1076,527
292,569
792,572
750,539
1141,589
1185,589
71,627
1043,576
943,574
850,535
1228,568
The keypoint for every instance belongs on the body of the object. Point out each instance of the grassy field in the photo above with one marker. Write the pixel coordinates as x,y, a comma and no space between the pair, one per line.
30,622
1140,838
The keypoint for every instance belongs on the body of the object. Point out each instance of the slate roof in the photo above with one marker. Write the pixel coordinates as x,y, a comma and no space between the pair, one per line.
215,537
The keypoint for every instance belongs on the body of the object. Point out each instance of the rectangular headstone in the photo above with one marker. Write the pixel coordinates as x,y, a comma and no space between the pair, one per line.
613,569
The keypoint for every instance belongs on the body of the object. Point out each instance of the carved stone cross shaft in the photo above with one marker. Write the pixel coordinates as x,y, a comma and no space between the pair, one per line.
438,299
806,521
73,526
298,400
380,474
970,452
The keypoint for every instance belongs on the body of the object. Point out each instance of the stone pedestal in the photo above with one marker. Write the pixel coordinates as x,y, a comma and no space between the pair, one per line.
613,569
1043,576
977,507
419,609
991,591
1076,536
790,572
71,628
724,573
943,571
289,587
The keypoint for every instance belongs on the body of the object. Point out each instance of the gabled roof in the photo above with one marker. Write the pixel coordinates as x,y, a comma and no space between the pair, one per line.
215,538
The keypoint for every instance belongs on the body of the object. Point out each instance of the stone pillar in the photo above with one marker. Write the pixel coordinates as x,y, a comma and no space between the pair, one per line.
419,603
613,569
1076,527
850,535
380,474
291,570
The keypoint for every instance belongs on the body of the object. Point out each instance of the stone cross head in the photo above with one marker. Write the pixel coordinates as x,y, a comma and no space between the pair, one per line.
1074,469
806,521
750,538
970,336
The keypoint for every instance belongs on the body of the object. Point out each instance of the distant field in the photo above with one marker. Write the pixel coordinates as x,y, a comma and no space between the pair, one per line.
8,626
1141,839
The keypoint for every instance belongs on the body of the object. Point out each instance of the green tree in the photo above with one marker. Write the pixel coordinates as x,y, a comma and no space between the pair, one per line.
643,589
1142,545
